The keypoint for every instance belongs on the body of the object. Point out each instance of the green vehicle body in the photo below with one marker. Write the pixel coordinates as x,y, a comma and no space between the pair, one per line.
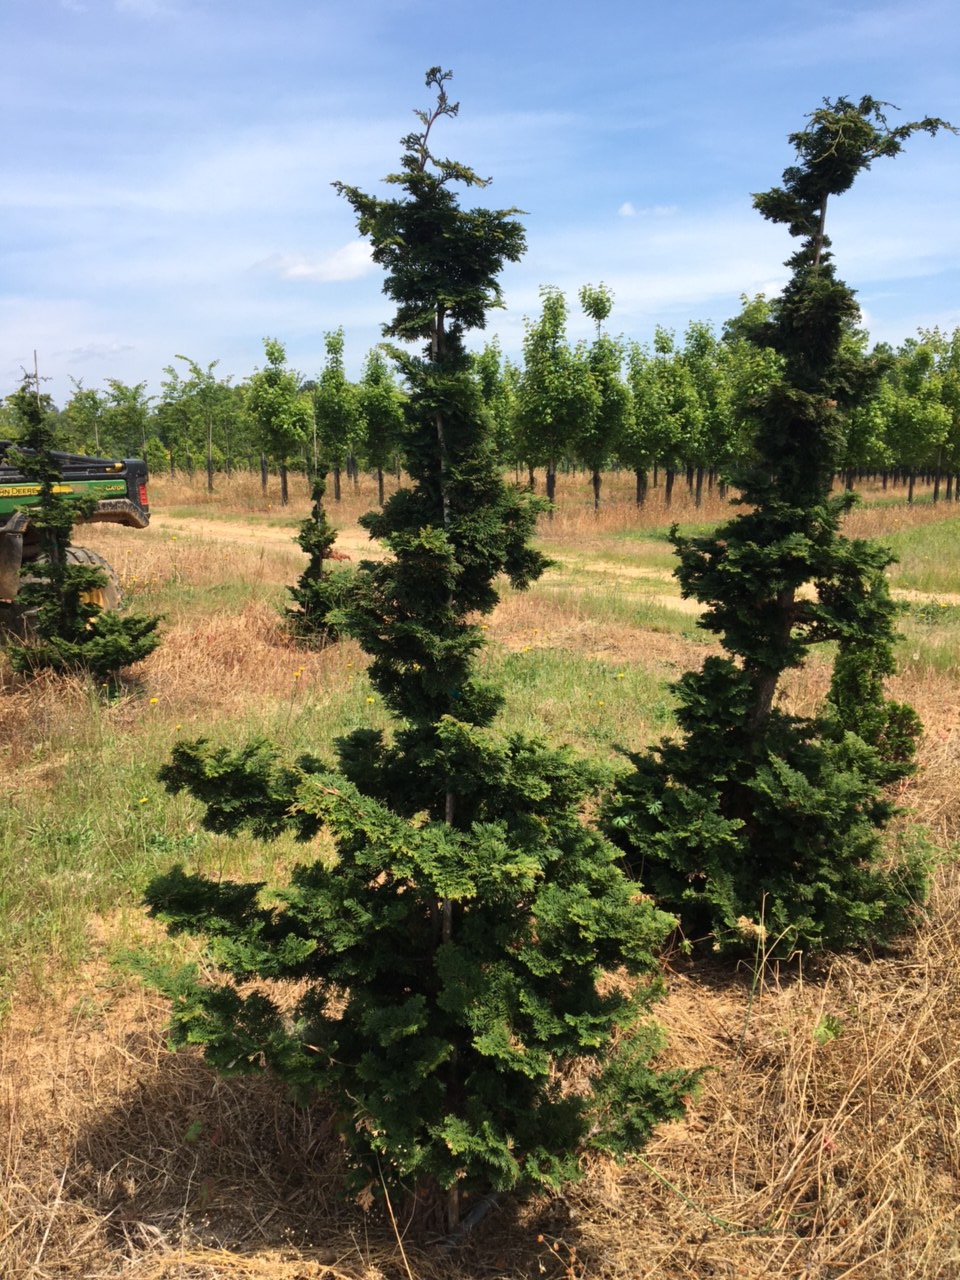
119,487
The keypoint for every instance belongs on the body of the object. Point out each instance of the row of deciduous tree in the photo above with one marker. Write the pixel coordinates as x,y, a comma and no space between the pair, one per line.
675,407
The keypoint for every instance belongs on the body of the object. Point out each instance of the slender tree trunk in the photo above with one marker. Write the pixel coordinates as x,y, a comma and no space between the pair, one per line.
698,496
172,469
596,480
765,683
883,480
689,478
948,491
531,478
284,488
336,484
641,476
263,474
668,487
551,478
656,475
209,456
380,485
910,483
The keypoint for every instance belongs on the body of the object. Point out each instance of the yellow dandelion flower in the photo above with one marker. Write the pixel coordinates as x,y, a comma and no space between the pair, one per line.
142,800
371,699
154,701
619,676
601,703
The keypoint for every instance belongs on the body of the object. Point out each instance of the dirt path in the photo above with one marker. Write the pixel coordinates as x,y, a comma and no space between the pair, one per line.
351,542
355,544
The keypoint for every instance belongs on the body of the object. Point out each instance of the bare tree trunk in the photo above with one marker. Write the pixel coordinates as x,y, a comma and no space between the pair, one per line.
284,487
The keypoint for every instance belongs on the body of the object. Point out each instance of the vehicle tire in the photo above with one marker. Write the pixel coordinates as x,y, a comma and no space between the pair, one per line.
20,622
109,595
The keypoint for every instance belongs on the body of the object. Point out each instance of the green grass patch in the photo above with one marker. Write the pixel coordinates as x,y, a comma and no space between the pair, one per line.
584,702
197,511
928,556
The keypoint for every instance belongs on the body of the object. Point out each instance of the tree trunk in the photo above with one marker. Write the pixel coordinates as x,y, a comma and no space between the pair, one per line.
698,496
531,478
910,482
668,487
551,485
596,480
765,683
641,476
284,489
263,474
380,485
336,484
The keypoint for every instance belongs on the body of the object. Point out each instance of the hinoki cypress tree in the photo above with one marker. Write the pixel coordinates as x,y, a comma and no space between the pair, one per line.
68,632
451,954
758,820
320,591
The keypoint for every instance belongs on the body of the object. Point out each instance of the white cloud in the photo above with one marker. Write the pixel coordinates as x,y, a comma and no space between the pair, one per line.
349,262
94,351
629,210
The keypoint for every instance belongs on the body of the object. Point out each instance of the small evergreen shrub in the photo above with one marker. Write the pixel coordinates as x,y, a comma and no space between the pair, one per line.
321,593
67,632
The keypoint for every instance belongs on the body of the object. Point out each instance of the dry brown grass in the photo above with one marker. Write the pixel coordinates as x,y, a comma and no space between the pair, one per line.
825,1144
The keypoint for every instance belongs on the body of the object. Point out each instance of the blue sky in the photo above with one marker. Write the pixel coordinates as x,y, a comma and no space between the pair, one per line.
166,167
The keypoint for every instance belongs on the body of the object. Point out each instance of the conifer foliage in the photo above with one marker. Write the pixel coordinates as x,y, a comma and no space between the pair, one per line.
756,819
451,953
68,632
320,591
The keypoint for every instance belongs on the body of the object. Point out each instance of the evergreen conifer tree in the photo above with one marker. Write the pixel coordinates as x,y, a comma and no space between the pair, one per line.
452,954
320,591
757,819
68,632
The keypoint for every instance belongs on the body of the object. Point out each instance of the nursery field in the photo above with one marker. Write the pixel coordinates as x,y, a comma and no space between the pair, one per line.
825,1141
